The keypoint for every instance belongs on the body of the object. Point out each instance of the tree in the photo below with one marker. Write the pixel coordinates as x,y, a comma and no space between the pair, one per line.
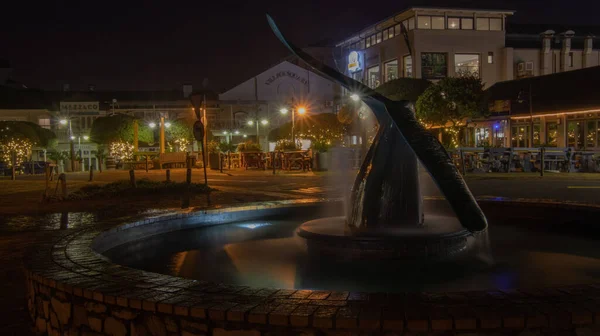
318,126
180,133
119,128
404,89
450,102
17,138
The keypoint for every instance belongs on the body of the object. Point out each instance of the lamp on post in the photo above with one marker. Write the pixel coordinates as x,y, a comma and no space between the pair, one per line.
301,110
256,121
65,122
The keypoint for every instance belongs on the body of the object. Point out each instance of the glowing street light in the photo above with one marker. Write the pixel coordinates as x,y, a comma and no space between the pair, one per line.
301,110
283,110
355,97
63,121
236,132
264,122
167,124
72,137
225,132
245,136
250,122
152,125
86,138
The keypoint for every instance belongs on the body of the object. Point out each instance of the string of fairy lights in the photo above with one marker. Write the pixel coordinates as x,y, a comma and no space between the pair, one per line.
121,150
20,147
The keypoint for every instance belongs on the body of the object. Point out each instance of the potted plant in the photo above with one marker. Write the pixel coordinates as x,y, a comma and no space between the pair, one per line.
287,145
249,146
321,155
212,147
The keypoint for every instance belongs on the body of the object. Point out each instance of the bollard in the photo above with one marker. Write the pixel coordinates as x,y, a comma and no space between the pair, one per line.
168,175
273,161
221,162
48,175
62,179
91,173
132,178
188,176
146,163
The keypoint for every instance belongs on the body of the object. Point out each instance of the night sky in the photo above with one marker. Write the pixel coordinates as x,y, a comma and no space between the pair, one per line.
159,45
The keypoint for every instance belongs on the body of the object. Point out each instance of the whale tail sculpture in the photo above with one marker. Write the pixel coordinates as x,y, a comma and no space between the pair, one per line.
386,190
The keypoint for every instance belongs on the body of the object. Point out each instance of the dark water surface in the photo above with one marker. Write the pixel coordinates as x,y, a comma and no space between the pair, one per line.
268,253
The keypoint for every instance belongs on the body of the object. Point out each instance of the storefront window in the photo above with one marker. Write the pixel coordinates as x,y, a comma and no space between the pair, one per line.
552,134
373,76
408,72
434,65
519,136
379,36
590,138
598,133
482,137
495,24
466,24
483,24
498,131
466,64
536,135
391,70
575,134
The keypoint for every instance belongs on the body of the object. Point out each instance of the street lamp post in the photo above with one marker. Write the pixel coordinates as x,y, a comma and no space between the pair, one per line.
300,110
71,143
85,138
251,122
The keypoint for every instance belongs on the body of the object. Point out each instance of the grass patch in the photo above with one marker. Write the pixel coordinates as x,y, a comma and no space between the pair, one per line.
145,187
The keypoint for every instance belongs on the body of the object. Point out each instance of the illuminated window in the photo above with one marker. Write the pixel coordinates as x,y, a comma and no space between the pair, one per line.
495,24
385,34
408,72
590,138
570,60
368,42
490,57
453,23
373,76
424,22
44,122
466,64
392,31
379,37
551,134
483,24
437,22
411,23
398,29
391,70
466,24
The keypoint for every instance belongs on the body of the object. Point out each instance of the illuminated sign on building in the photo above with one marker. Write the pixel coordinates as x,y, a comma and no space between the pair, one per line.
80,107
282,74
354,62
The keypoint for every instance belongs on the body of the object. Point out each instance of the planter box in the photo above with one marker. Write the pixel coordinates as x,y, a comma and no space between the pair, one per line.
322,161
213,161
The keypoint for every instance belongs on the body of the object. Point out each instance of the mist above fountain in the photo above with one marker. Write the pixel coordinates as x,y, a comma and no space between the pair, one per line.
385,212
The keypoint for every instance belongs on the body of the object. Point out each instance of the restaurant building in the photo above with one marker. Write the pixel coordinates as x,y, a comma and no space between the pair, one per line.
433,43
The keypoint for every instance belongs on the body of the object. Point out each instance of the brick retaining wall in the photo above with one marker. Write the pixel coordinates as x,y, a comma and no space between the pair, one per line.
72,290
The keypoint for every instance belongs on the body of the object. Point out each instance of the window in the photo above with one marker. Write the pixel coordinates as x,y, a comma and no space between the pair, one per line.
379,37
424,22
391,70
391,31
398,30
466,23
368,42
373,77
483,24
385,34
433,65
44,122
590,138
408,72
520,136
495,24
437,22
536,135
570,60
490,57
453,23
575,134
551,134
466,64
411,23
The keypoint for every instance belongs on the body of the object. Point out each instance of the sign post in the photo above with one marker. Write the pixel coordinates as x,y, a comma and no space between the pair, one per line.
199,128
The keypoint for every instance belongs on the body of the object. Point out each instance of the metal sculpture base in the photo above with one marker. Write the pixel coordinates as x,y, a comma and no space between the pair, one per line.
442,237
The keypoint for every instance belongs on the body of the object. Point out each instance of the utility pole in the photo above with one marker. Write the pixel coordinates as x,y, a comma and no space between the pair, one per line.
531,115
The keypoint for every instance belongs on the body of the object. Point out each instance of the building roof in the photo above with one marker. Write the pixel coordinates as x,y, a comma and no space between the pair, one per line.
15,98
537,29
422,8
575,90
